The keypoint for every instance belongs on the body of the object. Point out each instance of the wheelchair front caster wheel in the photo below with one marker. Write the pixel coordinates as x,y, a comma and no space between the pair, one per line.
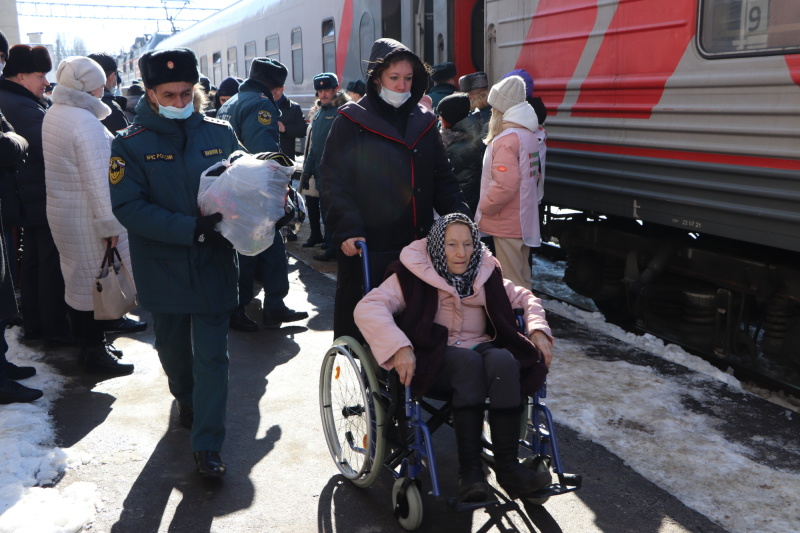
407,503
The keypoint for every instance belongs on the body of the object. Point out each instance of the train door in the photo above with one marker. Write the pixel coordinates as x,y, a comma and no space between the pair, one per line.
468,35
433,30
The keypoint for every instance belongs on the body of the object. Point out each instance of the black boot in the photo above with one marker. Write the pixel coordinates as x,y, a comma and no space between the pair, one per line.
185,415
100,360
13,392
515,479
209,464
472,486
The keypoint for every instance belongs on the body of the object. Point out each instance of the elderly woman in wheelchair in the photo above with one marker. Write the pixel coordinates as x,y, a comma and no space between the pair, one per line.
444,320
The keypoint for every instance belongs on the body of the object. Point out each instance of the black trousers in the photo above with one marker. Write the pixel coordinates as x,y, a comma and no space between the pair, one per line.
89,331
314,217
44,311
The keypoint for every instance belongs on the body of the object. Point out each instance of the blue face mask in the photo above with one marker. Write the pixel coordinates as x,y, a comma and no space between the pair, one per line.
175,113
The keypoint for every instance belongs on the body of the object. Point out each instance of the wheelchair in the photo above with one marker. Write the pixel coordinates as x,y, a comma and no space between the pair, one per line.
372,422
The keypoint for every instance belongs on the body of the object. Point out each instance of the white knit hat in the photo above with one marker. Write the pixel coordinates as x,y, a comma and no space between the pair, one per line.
507,93
80,73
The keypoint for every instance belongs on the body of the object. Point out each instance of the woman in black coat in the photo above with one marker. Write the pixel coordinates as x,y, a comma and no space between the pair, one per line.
385,171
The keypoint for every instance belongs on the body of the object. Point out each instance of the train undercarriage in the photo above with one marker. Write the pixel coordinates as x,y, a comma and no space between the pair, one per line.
735,304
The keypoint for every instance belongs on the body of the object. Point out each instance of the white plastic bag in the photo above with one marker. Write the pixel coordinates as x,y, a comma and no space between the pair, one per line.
251,194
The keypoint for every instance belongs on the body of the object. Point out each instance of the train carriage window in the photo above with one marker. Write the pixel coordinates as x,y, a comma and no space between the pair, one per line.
297,55
272,47
328,46
749,27
249,55
204,66
366,36
233,70
217,67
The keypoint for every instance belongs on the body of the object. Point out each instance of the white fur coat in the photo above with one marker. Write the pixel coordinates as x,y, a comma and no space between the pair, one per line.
77,148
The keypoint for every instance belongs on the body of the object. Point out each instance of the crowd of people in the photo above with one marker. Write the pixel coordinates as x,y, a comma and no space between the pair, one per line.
441,176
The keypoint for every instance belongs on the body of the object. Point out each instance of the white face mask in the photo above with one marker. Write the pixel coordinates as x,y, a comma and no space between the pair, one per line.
2,66
176,113
394,99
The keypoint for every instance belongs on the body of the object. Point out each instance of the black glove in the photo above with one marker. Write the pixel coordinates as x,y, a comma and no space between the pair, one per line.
304,181
204,232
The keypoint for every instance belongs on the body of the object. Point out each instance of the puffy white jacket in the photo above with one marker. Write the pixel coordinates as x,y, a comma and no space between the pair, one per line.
77,149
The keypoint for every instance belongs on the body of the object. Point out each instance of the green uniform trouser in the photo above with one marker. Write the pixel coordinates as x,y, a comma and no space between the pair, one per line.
193,349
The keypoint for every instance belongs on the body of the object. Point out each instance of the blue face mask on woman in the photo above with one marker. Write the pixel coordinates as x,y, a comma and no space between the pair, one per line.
175,113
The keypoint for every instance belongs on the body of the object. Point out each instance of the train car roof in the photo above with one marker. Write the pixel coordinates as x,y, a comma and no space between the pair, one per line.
234,15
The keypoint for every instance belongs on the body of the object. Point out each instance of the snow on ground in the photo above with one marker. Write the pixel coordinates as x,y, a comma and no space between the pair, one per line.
679,450
29,462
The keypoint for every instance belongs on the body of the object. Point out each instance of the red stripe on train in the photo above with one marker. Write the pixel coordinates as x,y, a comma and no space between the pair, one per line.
793,62
720,159
346,25
553,47
644,40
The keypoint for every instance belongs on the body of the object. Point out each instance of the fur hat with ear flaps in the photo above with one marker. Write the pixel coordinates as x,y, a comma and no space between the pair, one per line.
167,66
23,59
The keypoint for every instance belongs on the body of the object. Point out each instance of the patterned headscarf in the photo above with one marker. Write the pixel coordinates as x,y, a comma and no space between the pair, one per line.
461,282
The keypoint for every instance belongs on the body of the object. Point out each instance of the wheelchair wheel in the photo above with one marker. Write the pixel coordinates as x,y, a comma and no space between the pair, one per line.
407,503
351,418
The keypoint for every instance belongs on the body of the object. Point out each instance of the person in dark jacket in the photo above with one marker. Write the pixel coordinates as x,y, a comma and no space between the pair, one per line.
463,140
254,117
44,310
224,92
292,125
132,94
117,120
444,82
330,99
13,149
384,172
185,270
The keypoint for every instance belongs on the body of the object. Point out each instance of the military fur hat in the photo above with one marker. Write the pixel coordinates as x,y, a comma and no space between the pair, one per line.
167,66
443,72
268,71
358,87
476,80
326,80
25,59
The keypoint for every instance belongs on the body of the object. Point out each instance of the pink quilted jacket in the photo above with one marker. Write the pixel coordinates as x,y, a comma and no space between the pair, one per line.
464,318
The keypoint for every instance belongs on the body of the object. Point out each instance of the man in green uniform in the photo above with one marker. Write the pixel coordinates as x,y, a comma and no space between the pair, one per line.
185,271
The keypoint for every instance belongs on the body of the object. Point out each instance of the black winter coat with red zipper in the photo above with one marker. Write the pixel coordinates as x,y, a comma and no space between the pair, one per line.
385,170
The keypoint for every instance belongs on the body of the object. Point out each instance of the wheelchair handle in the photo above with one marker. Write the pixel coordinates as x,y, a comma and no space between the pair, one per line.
361,245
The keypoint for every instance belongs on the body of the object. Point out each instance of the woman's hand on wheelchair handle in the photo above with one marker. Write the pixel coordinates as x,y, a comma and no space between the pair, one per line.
543,343
349,246
404,364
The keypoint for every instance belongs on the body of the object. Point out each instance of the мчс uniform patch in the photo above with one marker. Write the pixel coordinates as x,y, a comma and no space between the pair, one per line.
265,117
116,170
159,157
211,152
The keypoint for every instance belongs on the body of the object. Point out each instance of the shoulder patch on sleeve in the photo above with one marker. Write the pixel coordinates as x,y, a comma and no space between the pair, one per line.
264,117
116,170
217,121
131,130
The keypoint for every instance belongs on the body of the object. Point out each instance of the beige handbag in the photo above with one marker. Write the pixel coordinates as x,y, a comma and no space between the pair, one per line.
114,292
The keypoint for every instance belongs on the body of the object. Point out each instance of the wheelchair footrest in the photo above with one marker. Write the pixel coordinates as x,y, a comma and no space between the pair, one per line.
453,504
